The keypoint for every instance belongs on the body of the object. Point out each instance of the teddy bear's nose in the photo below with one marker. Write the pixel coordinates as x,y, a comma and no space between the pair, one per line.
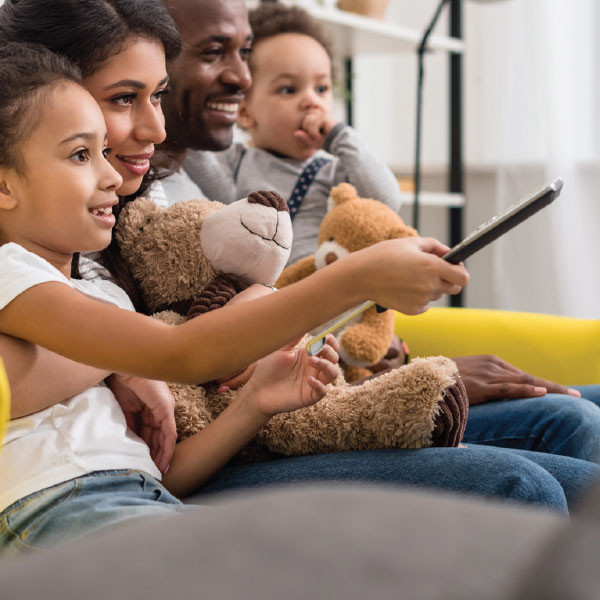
272,199
330,257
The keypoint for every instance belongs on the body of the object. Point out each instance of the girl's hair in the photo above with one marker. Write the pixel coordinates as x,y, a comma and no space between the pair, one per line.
28,72
273,18
89,32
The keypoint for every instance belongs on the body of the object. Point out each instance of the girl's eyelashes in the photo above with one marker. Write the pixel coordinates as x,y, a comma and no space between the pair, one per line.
106,152
81,156
322,89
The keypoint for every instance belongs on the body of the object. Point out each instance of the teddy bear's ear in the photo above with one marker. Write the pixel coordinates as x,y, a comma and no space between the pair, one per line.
343,192
133,217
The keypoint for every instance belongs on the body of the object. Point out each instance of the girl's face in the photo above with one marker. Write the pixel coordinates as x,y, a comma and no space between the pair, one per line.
62,200
129,88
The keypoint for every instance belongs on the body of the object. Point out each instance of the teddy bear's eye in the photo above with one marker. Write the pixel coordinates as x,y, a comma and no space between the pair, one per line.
331,239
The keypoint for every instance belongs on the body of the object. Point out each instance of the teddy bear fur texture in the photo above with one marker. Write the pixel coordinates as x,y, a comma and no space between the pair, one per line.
421,404
353,223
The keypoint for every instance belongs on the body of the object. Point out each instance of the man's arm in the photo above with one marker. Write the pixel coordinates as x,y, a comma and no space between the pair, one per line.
359,166
39,378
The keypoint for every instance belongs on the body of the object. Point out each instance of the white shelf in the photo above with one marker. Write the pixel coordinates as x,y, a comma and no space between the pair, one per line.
442,199
354,34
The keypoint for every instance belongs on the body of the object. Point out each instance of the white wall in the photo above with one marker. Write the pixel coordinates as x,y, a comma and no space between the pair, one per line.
511,103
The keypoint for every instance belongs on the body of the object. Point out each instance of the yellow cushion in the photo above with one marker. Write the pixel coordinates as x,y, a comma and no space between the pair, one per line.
561,349
4,401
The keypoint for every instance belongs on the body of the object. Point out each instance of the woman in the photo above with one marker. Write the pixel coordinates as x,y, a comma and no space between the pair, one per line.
97,35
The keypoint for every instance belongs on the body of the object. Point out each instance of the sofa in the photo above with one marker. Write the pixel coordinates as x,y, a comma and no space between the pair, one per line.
335,542
562,349
354,541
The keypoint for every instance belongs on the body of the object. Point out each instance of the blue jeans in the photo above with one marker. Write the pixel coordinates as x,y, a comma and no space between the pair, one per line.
547,480
81,506
562,431
553,424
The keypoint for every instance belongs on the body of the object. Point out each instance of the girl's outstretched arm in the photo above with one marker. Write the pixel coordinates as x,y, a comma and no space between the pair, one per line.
404,274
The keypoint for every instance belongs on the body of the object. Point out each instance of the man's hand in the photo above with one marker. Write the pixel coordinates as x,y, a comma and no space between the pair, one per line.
488,378
148,406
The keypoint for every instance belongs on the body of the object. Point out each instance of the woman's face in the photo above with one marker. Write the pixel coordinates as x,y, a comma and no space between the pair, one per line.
129,88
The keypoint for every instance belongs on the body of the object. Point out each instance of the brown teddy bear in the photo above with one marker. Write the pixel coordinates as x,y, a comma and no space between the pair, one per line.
196,255
353,223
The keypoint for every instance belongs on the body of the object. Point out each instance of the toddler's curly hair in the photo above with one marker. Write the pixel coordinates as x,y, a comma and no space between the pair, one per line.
273,18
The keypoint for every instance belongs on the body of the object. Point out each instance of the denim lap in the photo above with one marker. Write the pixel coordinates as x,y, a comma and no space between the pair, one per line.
553,424
82,505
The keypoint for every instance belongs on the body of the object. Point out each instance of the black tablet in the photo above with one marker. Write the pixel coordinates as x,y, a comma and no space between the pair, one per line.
500,224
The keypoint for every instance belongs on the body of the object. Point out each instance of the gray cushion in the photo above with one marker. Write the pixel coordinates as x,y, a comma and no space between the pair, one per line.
330,542
569,566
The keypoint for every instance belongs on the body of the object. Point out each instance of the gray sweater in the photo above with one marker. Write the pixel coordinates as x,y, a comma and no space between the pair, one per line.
234,173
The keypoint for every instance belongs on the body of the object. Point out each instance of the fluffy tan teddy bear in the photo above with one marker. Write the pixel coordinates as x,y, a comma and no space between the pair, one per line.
195,255
353,223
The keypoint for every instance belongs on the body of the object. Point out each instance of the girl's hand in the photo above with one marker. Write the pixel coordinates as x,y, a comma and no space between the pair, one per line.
149,410
407,274
289,379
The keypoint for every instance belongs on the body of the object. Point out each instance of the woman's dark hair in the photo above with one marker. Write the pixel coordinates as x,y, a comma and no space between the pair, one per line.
273,18
28,72
89,32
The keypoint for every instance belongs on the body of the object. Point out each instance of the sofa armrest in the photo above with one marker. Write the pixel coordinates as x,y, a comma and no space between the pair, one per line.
563,349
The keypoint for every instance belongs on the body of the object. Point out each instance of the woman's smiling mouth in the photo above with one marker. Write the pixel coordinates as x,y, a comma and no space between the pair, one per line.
138,164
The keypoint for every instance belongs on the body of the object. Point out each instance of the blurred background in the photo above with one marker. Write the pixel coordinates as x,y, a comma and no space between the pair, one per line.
530,92
530,97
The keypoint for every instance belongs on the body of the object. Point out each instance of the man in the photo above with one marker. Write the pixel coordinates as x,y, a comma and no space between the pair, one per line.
208,81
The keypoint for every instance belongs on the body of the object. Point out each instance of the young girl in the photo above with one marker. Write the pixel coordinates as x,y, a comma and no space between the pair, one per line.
56,195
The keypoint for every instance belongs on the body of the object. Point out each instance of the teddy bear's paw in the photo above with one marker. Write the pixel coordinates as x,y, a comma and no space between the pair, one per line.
216,295
451,420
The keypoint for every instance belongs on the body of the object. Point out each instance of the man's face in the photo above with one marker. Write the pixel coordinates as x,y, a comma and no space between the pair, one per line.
209,78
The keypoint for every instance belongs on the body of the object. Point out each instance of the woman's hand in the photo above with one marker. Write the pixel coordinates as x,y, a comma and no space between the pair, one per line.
148,407
407,274
290,379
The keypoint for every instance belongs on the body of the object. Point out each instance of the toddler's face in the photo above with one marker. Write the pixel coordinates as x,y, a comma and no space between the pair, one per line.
291,78
63,201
